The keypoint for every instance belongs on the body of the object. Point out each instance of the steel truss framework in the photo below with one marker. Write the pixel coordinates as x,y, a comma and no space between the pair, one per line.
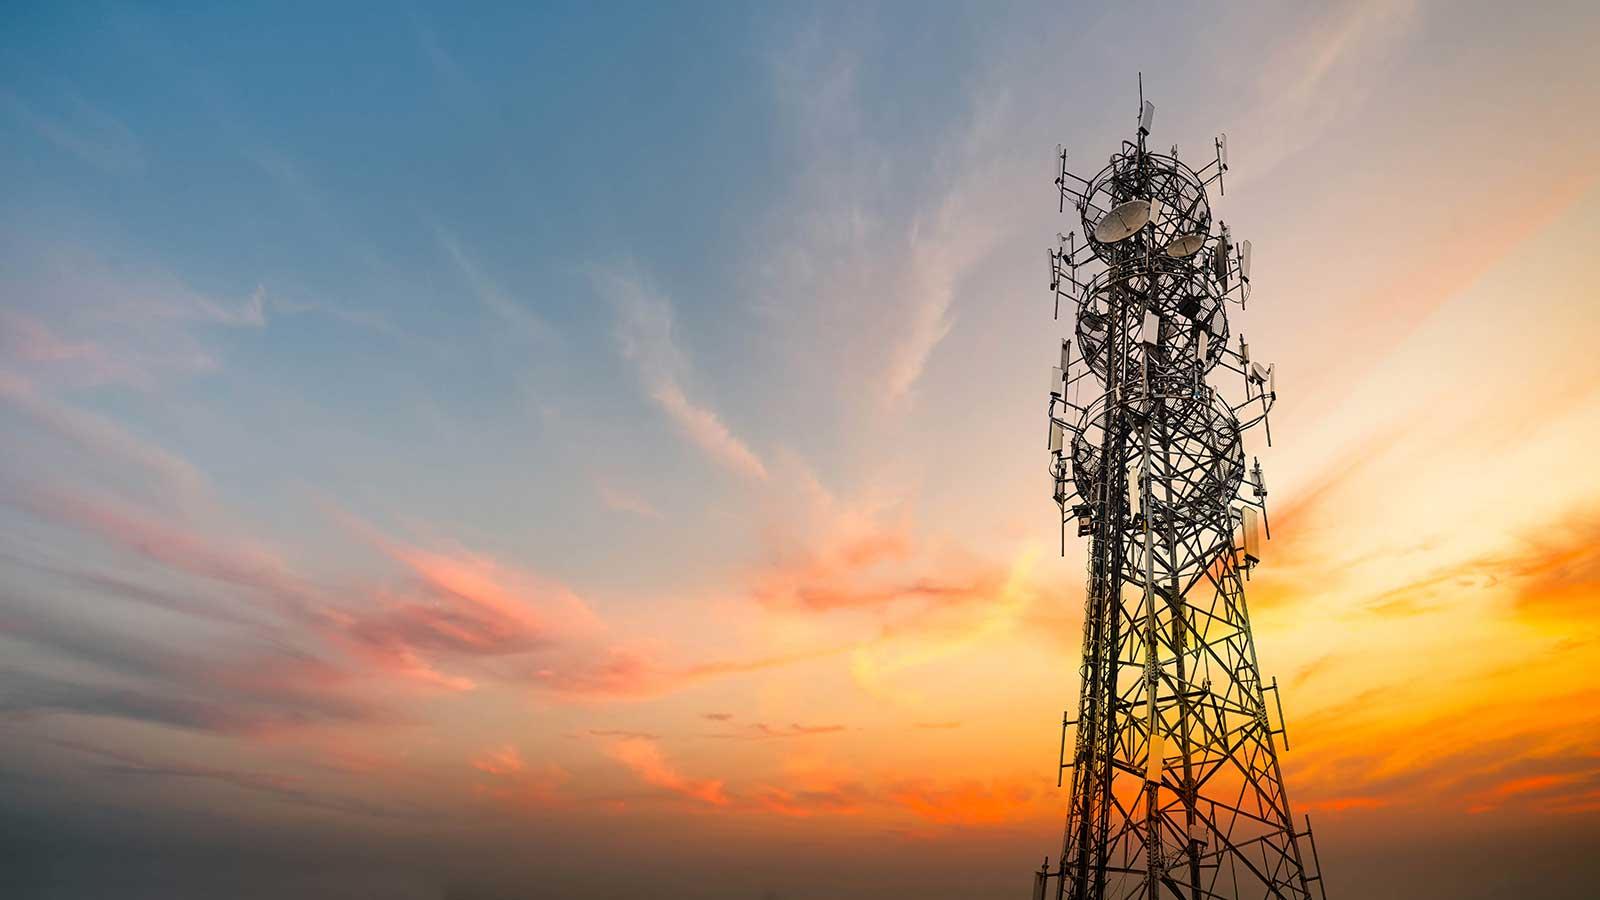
1176,789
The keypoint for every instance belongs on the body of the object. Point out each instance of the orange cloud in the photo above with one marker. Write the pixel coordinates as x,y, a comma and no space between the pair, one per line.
514,783
965,803
503,760
644,758
177,546
805,803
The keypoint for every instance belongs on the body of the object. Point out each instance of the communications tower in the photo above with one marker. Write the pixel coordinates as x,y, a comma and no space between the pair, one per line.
1176,791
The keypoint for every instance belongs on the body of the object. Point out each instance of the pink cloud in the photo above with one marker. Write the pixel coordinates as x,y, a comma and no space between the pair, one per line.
103,438
623,673
242,563
644,758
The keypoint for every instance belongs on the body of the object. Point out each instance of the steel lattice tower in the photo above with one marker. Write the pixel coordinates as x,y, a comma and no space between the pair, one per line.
1176,789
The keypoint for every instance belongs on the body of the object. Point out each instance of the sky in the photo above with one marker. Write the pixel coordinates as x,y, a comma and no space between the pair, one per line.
561,451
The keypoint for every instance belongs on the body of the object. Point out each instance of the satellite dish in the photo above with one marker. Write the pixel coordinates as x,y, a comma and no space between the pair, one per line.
1185,245
1123,222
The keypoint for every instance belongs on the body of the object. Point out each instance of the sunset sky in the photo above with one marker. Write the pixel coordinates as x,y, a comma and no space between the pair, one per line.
541,453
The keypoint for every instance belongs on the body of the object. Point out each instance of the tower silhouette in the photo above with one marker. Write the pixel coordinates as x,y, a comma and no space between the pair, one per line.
1175,787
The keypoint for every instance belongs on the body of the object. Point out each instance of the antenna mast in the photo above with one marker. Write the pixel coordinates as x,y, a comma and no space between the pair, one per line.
1175,785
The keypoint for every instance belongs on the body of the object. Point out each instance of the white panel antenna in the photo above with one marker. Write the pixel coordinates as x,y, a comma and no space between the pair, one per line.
1150,332
1252,535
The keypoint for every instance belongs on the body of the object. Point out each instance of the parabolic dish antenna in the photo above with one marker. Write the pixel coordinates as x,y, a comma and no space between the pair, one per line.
1123,222
1185,245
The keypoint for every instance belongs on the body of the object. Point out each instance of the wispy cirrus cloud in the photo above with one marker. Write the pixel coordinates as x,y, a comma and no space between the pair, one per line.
513,314
169,541
644,334
80,317
622,500
83,129
1323,72
863,267
103,438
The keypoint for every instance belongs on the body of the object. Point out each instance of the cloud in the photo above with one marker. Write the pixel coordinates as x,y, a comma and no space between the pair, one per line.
452,606
1325,72
940,249
644,334
863,264
174,544
706,429
80,318
86,131
359,318
626,673
862,555
189,603
24,693
503,760
459,605
238,686
205,554
970,802
29,339
645,760
1554,572
623,733
763,731
104,439
514,315
805,803
965,803
278,787
625,501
